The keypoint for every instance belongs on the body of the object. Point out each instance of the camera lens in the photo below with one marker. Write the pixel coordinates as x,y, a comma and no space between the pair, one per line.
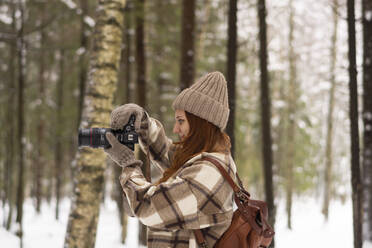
93,137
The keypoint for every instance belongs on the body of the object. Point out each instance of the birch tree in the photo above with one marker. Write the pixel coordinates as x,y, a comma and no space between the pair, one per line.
102,80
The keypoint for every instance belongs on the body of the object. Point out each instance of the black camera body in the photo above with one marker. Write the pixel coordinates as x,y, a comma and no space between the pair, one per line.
96,137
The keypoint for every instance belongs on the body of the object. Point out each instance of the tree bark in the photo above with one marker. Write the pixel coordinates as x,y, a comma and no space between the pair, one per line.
231,71
329,138
82,58
118,196
40,160
266,115
21,120
187,44
10,149
353,113
367,116
58,170
291,133
141,88
102,82
128,51
10,161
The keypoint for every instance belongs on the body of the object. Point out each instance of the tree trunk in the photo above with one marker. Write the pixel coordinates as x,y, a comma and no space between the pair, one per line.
118,196
124,85
82,58
141,87
291,119
329,139
266,115
126,53
367,116
187,44
104,65
204,24
39,165
10,149
58,170
231,70
21,120
353,113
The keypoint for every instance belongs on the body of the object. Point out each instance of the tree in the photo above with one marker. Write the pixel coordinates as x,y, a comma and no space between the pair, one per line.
329,138
187,44
291,128
231,70
58,172
40,159
266,115
104,65
10,161
367,115
21,54
141,86
354,134
82,58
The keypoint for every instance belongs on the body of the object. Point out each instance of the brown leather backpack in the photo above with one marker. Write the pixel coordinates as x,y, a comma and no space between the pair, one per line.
249,227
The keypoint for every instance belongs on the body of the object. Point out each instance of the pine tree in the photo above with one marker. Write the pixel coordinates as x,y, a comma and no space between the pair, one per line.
267,156
187,44
367,116
231,70
354,134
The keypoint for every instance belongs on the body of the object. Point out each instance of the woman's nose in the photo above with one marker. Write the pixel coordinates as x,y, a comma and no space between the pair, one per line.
175,128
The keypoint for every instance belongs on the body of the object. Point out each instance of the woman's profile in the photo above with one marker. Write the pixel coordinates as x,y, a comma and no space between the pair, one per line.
191,194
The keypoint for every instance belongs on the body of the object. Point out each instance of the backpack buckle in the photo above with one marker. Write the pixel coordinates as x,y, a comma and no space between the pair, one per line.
242,196
203,245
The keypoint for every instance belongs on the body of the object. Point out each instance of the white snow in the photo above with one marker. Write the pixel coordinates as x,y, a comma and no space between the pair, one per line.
80,51
369,15
89,20
70,4
308,226
43,231
5,18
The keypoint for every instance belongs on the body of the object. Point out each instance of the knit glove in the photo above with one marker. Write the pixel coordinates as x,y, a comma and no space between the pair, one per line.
120,117
119,153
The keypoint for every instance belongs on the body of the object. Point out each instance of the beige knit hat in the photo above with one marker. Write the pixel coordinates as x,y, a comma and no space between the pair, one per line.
207,99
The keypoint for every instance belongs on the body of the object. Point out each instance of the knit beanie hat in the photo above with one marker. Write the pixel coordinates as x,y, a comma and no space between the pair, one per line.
207,99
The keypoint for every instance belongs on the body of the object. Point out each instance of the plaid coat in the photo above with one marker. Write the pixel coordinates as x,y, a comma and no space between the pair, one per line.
196,197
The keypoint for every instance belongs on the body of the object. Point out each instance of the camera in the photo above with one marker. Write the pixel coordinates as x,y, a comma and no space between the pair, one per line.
96,137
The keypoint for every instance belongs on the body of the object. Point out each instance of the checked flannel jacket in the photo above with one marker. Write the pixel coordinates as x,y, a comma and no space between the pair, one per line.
196,197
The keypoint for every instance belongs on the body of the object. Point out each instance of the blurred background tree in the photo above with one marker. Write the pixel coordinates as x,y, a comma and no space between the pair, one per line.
45,49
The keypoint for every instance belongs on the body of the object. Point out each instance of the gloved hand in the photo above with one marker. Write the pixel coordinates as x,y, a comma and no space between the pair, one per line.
120,117
119,153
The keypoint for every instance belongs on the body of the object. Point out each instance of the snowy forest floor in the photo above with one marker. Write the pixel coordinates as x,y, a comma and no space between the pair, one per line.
308,227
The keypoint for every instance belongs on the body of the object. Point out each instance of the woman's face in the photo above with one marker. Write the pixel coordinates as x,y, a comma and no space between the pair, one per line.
181,126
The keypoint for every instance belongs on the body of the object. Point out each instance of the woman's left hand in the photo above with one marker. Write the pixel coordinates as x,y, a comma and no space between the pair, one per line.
120,153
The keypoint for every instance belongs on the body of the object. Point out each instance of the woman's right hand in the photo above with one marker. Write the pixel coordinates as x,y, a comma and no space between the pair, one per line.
120,117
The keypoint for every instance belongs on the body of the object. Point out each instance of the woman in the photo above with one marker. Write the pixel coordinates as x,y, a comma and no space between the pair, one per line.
192,194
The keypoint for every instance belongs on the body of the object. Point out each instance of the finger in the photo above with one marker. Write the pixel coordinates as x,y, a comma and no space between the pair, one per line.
111,139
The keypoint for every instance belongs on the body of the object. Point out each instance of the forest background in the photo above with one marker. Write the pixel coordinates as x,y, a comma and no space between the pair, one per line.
297,142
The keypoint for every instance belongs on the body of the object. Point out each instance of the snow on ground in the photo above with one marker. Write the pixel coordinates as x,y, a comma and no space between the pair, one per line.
308,227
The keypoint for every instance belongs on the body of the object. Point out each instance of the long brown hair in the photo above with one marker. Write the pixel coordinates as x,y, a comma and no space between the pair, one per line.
203,136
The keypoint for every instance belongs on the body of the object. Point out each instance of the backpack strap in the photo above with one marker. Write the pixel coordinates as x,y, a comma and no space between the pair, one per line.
240,192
